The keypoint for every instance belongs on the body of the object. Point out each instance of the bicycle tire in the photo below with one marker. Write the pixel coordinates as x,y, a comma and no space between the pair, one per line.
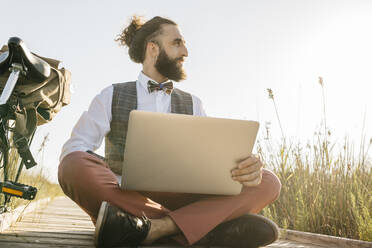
10,161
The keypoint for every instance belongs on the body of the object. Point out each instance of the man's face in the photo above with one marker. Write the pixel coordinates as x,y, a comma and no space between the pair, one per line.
172,51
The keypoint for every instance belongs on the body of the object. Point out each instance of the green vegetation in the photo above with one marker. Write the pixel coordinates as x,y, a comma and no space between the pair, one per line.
323,190
34,177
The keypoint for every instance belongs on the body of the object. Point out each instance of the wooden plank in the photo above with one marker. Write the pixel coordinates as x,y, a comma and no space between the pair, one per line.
292,244
47,212
8,218
30,245
70,218
69,232
56,224
66,209
63,224
324,240
46,240
58,220
56,215
50,228
60,214
51,235
51,220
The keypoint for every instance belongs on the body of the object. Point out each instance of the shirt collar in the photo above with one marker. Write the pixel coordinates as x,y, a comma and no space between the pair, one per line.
143,79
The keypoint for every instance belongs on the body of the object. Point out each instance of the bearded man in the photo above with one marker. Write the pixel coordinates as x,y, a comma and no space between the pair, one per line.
125,217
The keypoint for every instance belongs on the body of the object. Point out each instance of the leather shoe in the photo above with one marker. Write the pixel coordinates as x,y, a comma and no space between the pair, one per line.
249,231
115,227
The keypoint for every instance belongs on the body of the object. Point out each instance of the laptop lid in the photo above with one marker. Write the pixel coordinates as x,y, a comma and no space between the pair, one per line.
184,153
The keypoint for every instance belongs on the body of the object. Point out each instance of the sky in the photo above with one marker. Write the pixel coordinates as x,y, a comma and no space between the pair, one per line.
237,50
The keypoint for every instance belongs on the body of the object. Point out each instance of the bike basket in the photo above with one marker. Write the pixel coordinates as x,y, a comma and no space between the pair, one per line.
46,98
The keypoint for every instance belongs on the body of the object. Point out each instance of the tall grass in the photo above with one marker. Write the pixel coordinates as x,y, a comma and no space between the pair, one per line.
324,189
34,177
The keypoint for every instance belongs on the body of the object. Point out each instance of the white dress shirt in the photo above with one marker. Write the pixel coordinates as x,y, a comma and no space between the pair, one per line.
94,124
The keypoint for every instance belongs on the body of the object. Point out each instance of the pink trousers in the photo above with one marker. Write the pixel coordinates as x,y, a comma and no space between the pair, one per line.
88,181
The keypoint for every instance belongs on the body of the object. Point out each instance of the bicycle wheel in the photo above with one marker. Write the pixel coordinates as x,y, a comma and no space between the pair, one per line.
10,160
11,166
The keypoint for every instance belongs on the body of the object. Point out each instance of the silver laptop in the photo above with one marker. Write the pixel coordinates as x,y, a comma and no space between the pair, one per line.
184,153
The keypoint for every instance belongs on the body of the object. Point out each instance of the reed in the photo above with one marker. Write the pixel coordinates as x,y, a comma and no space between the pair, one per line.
325,189
34,177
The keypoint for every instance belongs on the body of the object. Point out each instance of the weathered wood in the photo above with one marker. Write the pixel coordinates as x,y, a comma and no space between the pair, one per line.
291,244
63,224
69,235
6,219
29,245
46,240
70,232
50,228
51,219
60,214
56,224
324,240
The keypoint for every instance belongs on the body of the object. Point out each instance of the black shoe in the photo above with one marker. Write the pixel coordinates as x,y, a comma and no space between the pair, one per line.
115,227
248,231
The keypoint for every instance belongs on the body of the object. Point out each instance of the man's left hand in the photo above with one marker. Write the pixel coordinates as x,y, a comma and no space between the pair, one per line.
249,171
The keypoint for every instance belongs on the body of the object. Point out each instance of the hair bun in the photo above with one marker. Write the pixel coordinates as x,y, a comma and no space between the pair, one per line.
138,33
127,36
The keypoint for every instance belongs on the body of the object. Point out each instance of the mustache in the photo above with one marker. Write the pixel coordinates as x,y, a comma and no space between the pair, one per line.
180,59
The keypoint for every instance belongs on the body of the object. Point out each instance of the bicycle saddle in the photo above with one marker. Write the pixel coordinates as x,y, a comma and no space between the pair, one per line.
36,68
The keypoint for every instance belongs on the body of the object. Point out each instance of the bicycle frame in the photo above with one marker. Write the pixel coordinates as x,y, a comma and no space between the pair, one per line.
16,139
11,83
11,188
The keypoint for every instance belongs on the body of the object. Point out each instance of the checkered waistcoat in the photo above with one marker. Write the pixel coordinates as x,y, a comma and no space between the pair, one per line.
124,100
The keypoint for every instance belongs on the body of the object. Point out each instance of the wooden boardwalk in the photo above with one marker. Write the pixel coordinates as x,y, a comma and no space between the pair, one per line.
62,223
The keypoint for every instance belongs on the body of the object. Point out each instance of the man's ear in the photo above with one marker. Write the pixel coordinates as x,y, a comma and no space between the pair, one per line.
153,49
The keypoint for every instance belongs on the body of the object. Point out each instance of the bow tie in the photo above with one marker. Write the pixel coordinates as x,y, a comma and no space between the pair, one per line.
166,87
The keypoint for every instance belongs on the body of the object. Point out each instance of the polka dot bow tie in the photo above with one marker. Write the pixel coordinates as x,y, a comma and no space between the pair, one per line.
167,87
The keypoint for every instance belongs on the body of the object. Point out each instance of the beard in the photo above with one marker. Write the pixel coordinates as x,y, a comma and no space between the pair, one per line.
168,67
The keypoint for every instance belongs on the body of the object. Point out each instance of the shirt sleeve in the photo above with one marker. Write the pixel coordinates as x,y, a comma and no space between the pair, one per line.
93,125
198,106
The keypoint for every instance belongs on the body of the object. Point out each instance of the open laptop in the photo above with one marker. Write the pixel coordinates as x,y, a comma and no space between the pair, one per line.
185,153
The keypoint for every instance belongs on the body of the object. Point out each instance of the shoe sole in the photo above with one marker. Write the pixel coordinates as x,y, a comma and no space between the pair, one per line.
271,223
100,220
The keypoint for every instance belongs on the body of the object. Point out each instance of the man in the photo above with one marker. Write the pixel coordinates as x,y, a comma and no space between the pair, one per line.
132,218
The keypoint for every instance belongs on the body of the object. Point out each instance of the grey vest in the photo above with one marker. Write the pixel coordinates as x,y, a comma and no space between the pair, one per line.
124,100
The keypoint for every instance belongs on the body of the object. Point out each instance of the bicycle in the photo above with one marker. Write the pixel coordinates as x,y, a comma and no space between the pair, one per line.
24,67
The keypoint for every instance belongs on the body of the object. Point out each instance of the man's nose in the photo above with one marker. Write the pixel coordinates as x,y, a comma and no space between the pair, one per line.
185,52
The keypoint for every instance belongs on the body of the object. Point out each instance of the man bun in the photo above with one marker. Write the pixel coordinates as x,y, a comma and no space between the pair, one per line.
139,33
127,35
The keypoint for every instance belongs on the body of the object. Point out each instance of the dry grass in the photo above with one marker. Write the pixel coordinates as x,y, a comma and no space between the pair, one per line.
33,177
324,189
45,188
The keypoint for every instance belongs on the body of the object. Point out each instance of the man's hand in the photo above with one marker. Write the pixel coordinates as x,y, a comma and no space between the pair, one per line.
249,171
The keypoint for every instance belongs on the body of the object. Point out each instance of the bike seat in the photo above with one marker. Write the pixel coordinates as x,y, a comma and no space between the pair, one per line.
36,68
